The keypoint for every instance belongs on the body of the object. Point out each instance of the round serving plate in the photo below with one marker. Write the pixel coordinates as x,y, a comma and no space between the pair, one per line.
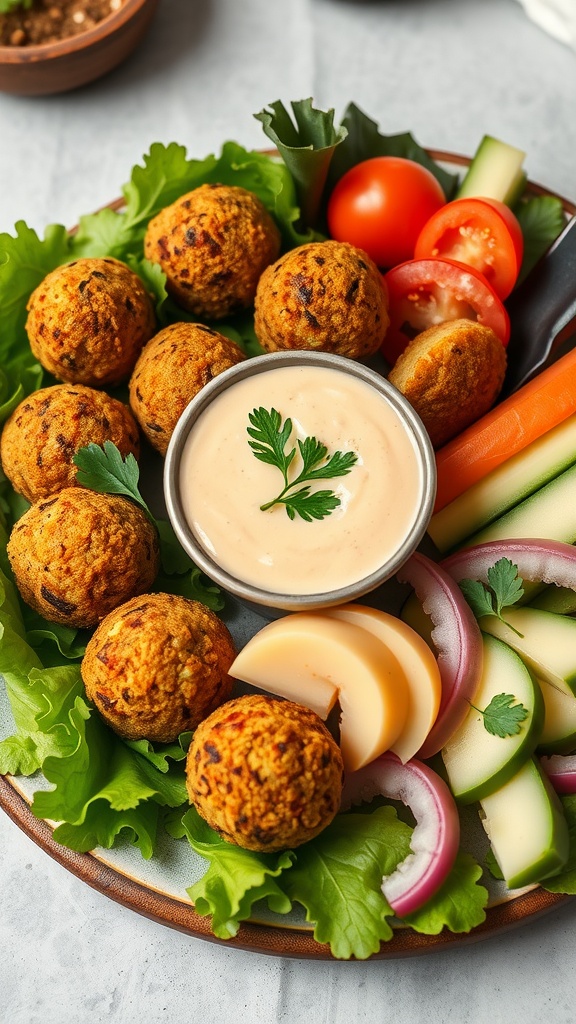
157,888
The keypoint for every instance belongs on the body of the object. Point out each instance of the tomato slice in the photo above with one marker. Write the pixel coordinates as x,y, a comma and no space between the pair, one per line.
425,292
482,233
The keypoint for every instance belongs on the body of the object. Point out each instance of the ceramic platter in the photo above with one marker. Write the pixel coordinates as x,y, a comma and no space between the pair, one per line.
157,888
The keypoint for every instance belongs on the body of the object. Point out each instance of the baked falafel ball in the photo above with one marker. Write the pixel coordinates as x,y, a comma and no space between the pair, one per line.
88,321
79,554
47,429
213,243
451,374
324,296
172,368
157,665
264,773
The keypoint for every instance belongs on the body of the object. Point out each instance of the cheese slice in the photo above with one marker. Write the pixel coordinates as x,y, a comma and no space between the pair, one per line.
316,660
419,665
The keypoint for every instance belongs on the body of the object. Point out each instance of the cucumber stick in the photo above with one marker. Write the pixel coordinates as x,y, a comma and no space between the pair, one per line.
558,734
495,172
505,487
526,826
476,761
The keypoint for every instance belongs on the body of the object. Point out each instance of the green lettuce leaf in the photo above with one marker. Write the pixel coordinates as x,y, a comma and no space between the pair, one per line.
459,905
541,219
364,141
235,878
104,778
306,145
138,825
337,878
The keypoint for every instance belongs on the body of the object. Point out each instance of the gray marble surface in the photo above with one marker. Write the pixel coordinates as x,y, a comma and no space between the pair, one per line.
449,70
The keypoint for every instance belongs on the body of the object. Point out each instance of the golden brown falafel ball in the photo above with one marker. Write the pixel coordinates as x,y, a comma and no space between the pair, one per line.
451,374
44,433
213,244
264,773
88,321
157,665
325,296
79,554
171,370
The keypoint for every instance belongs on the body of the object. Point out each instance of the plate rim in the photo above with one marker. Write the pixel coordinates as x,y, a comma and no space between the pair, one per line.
289,942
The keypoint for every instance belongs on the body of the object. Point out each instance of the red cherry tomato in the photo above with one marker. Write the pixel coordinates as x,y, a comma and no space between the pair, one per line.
381,205
422,293
482,233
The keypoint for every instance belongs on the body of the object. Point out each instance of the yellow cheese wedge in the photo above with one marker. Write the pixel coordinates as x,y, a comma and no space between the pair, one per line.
419,665
314,660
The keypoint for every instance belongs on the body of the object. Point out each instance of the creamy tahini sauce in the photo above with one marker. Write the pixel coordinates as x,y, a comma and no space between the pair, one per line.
223,484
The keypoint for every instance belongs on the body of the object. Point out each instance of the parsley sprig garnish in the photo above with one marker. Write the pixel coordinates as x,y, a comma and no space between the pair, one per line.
270,437
501,716
503,590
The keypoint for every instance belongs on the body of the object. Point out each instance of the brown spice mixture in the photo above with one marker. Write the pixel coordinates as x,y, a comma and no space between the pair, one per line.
47,21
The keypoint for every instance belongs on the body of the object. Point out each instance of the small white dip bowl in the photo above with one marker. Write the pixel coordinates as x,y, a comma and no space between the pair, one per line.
203,485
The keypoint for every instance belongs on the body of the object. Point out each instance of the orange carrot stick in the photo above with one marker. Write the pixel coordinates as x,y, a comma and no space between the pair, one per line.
537,407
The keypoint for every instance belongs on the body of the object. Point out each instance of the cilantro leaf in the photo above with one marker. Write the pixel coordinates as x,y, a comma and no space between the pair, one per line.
504,589
103,469
502,717
269,439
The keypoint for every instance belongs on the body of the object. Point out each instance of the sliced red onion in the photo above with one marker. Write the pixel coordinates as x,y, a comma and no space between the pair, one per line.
561,770
456,637
436,835
542,561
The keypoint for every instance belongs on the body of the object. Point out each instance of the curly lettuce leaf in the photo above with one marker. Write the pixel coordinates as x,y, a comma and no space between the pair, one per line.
459,905
101,779
39,703
235,878
337,878
307,145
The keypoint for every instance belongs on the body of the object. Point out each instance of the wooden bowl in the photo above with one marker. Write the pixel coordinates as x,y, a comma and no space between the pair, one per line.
69,63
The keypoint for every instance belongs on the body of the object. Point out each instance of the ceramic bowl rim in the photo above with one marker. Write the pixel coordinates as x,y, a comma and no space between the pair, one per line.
107,27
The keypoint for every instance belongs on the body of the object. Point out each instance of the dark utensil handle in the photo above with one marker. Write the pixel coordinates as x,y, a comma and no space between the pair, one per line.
541,310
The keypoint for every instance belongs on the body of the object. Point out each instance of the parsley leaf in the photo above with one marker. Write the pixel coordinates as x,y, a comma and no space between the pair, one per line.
269,439
103,469
504,588
502,717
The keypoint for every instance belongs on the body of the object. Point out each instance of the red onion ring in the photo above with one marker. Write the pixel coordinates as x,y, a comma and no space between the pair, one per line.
456,637
542,561
436,836
561,770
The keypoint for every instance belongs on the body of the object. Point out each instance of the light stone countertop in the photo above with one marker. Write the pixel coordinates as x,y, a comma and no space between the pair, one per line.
450,71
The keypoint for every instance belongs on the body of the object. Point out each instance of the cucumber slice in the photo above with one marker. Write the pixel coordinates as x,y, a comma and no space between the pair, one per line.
558,734
549,513
556,599
526,827
545,641
478,763
495,172
505,487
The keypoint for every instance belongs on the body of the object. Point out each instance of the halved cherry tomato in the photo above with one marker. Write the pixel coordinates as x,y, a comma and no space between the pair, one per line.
380,205
426,292
482,233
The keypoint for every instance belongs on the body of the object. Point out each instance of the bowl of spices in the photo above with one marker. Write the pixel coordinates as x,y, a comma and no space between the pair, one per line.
299,480
51,46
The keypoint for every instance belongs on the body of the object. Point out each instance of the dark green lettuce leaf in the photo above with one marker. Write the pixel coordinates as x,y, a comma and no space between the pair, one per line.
307,145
